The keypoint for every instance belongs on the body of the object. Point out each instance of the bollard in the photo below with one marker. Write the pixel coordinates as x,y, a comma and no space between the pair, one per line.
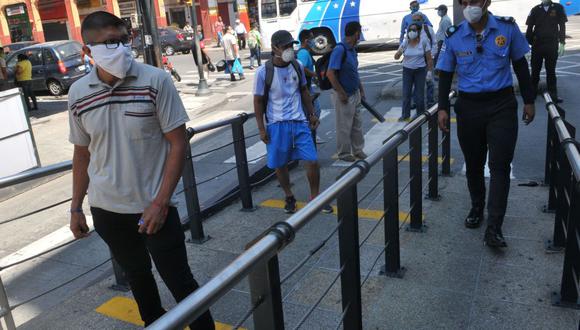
570,286
121,283
5,311
191,198
416,177
266,293
348,243
242,163
392,267
433,193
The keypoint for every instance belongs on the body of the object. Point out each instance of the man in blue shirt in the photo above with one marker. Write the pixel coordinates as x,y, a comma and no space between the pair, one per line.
285,106
408,19
347,94
480,51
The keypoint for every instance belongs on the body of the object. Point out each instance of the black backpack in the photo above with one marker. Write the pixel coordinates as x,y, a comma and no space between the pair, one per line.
322,67
270,78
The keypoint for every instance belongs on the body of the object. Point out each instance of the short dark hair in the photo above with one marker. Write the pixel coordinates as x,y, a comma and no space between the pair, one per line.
304,34
22,57
98,21
352,28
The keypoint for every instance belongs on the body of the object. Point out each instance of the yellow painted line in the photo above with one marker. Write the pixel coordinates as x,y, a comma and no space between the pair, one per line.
396,120
424,159
362,213
125,309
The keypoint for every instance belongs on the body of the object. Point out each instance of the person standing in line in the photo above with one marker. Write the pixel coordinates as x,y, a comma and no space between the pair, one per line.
218,28
417,67
546,34
481,50
304,55
427,33
255,45
24,81
444,24
408,19
347,94
241,34
285,117
129,155
231,53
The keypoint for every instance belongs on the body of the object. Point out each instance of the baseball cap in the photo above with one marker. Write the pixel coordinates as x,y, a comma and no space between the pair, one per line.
282,38
441,7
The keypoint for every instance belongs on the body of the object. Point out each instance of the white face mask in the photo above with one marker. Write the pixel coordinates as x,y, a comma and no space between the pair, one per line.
288,55
473,14
115,61
413,35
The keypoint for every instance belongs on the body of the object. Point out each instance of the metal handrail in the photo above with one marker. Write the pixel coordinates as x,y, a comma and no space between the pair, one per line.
280,235
569,143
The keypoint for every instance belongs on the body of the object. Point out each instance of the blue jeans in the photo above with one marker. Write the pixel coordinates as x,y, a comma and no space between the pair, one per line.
413,84
255,54
430,92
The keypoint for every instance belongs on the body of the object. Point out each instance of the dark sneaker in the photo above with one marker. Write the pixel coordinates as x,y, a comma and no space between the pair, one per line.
494,238
404,119
474,218
290,206
327,209
360,155
347,158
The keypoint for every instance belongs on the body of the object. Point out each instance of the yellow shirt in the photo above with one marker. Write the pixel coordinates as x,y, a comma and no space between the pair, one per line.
24,70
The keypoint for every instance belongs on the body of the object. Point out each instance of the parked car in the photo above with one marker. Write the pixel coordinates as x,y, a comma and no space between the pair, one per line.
55,65
172,40
17,46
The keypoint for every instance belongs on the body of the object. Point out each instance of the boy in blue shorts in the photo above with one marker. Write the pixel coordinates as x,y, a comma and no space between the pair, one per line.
285,116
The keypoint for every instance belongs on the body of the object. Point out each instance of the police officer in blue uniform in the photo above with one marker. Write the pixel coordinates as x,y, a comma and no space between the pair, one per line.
480,50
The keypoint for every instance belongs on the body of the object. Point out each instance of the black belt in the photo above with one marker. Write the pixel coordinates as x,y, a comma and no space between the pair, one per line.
486,96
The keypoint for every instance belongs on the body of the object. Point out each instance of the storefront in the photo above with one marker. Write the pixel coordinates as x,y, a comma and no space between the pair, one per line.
18,21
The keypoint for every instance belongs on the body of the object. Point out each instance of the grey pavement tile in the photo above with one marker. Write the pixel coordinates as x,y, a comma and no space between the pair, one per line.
500,315
318,319
518,284
530,228
524,253
314,286
86,252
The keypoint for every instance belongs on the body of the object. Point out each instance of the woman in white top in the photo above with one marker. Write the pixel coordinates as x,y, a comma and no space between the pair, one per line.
417,66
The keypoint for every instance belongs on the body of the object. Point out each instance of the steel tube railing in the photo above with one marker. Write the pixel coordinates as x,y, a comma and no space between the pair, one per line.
221,123
36,173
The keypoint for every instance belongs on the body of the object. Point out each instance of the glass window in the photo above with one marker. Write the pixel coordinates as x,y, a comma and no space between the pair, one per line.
49,57
68,50
12,61
268,8
287,7
34,56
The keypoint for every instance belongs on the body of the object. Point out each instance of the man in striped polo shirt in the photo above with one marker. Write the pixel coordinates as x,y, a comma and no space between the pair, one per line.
127,123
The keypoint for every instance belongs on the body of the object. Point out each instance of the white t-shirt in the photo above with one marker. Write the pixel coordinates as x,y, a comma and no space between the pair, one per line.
241,29
414,56
228,42
285,100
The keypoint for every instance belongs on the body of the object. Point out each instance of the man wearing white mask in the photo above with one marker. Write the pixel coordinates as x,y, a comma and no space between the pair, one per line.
285,116
127,124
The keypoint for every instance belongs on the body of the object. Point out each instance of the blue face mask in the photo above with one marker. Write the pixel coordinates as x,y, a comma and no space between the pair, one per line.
414,9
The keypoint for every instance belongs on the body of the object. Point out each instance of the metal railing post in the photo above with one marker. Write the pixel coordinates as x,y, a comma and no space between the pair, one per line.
191,197
121,283
392,267
561,183
433,193
416,177
553,169
266,294
242,163
5,311
446,149
348,242
549,150
568,295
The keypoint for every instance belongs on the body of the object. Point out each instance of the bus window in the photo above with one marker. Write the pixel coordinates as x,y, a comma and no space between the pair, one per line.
287,7
268,8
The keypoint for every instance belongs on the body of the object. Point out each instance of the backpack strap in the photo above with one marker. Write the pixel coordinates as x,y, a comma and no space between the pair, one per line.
426,28
296,66
267,86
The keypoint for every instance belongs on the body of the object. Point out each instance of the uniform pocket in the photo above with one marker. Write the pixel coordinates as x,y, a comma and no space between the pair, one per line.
465,63
141,122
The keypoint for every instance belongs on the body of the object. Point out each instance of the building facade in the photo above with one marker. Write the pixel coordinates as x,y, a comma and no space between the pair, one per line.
47,20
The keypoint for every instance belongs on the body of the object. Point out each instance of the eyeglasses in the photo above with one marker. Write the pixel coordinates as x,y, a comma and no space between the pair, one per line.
126,41
479,46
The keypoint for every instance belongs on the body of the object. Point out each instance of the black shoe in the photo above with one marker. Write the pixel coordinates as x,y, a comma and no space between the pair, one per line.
474,218
327,209
494,237
290,206
559,100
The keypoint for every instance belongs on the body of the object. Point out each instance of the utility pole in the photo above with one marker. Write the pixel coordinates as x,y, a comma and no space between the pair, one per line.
149,33
202,86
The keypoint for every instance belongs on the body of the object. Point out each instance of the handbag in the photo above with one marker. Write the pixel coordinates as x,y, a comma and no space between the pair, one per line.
221,66
211,67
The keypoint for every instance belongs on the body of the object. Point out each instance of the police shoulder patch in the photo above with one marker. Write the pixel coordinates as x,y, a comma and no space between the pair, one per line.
450,31
507,19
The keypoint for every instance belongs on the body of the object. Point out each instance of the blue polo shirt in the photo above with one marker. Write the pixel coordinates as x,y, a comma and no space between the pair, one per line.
488,70
407,20
348,69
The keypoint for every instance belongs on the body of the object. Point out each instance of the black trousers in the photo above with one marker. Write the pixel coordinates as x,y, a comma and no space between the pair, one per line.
547,54
26,86
167,248
488,124
242,41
